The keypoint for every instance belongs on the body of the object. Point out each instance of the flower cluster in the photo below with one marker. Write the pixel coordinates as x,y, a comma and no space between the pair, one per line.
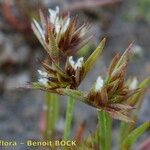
54,77
112,94
58,36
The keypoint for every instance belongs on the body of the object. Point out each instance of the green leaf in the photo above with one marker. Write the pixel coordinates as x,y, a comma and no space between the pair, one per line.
145,83
137,100
124,131
92,58
132,137
137,97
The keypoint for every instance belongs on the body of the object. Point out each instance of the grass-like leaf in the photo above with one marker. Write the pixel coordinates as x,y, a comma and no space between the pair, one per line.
145,83
91,60
132,137
136,100
137,97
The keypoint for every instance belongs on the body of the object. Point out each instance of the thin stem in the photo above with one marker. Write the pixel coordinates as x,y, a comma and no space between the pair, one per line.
56,107
104,123
69,112
51,113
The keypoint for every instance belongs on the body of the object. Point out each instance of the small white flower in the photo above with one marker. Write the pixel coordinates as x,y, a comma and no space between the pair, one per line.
54,18
133,85
71,61
76,65
99,84
54,15
61,25
43,81
79,63
43,73
58,22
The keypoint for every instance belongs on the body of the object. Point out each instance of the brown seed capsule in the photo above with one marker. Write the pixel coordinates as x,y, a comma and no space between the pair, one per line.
113,64
104,96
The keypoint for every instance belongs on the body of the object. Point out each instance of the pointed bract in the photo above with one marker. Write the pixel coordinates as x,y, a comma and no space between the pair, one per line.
91,60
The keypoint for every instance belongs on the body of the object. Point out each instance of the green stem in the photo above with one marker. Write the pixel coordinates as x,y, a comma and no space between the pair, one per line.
123,131
69,112
56,107
51,113
104,124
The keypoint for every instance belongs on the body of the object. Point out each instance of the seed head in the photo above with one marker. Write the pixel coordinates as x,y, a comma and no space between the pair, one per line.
59,34
71,75
112,95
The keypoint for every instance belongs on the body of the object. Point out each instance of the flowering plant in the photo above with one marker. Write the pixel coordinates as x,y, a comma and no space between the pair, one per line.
111,94
113,97
59,35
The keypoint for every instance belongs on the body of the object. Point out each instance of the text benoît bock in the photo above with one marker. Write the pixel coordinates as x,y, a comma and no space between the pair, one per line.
35,143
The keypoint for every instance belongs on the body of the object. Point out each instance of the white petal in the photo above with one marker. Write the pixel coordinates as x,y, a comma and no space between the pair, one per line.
99,84
43,81
71,61
42,73
134,84
79,63
57,9
76,65
53,14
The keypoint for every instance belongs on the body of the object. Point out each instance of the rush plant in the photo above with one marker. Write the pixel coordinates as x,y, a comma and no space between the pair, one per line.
113,97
